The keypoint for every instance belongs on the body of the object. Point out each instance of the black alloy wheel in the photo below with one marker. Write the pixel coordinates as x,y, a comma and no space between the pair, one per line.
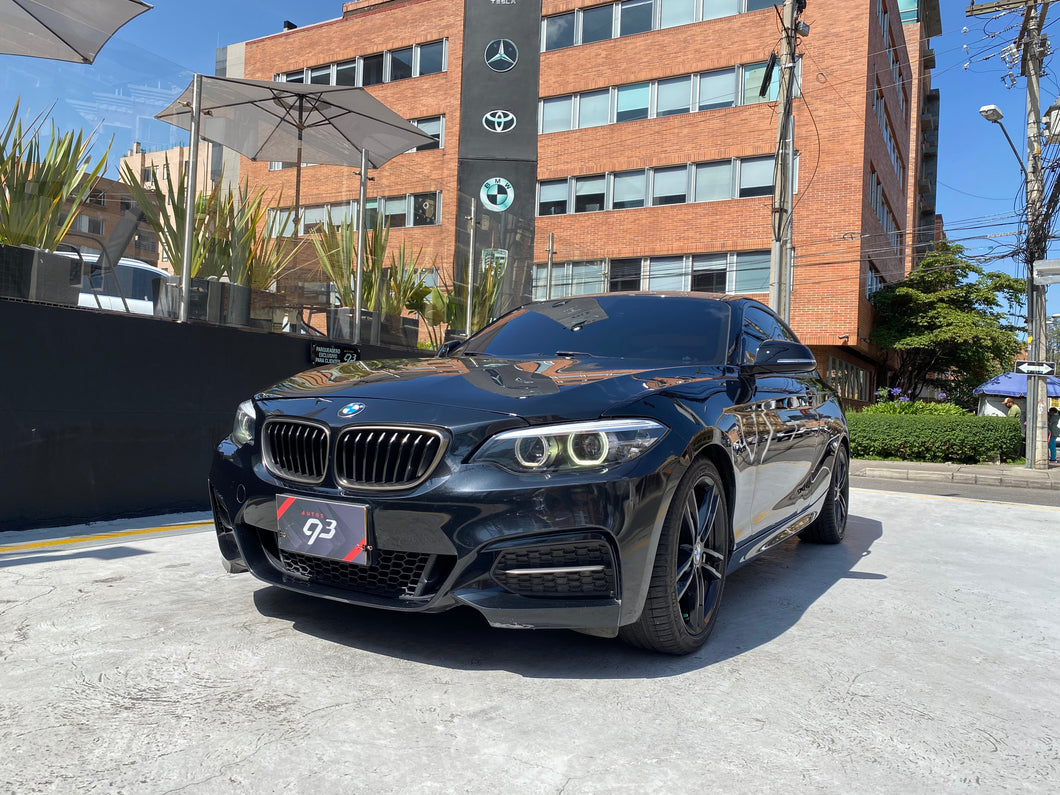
830,526
688,577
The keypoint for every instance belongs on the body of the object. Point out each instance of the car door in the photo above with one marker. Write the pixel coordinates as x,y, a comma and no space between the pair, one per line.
780,417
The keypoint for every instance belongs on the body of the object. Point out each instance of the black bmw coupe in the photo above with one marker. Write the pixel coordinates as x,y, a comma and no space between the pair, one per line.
597,463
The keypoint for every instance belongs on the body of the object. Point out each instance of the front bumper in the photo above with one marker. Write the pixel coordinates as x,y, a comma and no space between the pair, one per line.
562,552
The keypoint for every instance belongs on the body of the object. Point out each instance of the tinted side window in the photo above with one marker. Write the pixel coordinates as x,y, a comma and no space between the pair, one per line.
759,326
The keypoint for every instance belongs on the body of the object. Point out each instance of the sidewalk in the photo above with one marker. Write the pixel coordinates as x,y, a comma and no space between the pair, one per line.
1012,475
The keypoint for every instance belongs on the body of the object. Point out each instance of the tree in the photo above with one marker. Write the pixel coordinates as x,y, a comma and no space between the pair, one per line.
945,325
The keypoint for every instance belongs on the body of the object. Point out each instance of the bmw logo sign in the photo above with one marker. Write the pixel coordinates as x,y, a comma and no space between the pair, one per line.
497,194
499,121
350,409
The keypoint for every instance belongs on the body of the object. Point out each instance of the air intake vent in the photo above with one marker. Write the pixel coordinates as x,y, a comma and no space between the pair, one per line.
296,450
385,457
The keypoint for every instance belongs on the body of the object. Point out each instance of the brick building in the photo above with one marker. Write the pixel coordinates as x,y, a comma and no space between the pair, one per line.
99,215
656,148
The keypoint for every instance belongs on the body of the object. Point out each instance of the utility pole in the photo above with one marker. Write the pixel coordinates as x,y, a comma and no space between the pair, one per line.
1031,41
780,261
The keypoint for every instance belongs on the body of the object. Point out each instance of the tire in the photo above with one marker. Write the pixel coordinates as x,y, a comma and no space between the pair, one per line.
688,576
830,526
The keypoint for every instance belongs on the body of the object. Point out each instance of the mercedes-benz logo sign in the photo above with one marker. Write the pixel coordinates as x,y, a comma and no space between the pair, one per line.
350,409
499,121
501,55
497,194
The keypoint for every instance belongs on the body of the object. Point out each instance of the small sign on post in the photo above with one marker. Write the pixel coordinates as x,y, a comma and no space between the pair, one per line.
1036,368
333,353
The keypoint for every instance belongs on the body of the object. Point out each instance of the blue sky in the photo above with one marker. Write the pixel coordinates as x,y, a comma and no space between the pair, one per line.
152,59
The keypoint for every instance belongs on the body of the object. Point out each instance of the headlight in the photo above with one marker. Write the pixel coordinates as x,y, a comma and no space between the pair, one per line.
573,447
243,427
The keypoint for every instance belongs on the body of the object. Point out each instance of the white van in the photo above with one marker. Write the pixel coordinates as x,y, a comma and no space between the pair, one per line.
131,279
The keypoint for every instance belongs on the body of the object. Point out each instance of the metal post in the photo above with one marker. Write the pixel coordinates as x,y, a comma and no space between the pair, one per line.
1037,435
471,266
780,265
360,248
189,199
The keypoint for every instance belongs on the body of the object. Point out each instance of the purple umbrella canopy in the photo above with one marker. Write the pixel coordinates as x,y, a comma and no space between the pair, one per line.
62,30
1015,385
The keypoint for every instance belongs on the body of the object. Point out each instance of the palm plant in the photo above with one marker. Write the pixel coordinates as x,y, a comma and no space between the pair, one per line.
42,190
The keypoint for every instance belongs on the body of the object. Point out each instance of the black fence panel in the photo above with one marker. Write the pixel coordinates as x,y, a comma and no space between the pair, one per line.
106,415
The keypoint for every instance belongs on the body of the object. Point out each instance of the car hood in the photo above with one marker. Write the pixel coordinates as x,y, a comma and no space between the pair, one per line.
534,390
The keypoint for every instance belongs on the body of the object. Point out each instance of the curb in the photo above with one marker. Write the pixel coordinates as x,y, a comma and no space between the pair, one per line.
1011,476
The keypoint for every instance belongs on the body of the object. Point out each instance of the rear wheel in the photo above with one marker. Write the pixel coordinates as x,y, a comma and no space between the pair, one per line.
688,576
831,524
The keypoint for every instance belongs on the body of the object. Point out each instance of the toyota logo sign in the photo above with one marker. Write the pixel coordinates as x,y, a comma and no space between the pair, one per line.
499,121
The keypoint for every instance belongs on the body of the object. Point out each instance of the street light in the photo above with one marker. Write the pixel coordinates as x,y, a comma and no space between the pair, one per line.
993,114
1035,428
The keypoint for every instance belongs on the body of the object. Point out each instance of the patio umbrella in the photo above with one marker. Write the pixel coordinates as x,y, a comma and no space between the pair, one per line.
1015,385
62,30
263,120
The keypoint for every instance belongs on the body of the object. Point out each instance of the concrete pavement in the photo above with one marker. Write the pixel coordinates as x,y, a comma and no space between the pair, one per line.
1007,475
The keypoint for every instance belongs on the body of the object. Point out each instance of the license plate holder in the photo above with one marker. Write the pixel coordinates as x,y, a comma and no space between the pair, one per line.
323,528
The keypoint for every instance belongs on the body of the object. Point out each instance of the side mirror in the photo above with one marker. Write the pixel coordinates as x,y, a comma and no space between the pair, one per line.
447,348
781,356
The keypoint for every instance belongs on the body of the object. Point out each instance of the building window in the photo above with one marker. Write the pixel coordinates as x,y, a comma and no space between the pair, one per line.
714,181
628,190
624,275
717,89
751,272
346,74
556,114
673,96
425,209
873,280
552,198
756,176
434,126
395,211
676,12
430,58
633,102
559,31
669,186
97,197
589,193
372,70
666,273
635,16
709,273
321,75
594,108
759,5
401,64
88,225
597,23
753,75
125,203
715,9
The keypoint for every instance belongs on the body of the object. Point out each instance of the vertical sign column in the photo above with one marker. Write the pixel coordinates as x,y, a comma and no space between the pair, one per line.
497,158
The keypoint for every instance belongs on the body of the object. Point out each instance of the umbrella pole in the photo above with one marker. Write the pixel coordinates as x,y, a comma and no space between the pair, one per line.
471,268
360,247
189,207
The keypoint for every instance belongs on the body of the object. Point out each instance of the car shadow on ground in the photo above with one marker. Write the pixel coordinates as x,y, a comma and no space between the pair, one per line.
763,599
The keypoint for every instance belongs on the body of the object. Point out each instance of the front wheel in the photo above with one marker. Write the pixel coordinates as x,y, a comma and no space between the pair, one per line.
830,526
688,576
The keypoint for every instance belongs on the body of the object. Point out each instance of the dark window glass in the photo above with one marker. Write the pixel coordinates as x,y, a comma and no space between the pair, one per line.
635,17
372,70
670,186
424,209
346,74
758,5
559,31
431,58
756,177
628,190
396,211
296,77
596,23
432,126
589,194
683,329
553,198
321,75
625,275
708,273
401,64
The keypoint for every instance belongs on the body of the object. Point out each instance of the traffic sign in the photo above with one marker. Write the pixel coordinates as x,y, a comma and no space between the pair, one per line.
1036,368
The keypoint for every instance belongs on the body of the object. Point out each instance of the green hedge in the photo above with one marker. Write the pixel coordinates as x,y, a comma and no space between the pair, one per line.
963,440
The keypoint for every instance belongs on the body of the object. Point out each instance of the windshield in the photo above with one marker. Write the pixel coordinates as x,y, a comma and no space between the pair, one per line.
659,328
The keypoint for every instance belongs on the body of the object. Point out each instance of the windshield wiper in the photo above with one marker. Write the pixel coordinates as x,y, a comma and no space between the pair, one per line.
573,353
